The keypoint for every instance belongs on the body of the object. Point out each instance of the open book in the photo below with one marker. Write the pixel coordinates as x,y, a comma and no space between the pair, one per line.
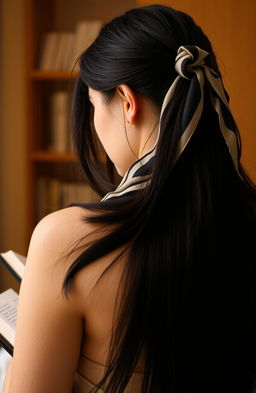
8,316
14,262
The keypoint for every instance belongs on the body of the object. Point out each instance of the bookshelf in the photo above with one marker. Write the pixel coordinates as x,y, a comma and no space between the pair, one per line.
51,170
239,22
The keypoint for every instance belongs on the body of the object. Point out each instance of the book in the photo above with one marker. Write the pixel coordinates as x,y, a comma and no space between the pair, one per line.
8,317
14,262
49,49
68,52
54,194
42,190
59,120
60,49
85,33
64,51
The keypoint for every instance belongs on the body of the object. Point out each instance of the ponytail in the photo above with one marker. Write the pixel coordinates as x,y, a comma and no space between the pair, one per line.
188,229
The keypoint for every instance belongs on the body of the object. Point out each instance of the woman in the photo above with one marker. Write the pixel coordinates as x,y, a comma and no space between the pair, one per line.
158,279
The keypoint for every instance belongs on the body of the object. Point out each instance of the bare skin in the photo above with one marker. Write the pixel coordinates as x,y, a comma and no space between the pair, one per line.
52,331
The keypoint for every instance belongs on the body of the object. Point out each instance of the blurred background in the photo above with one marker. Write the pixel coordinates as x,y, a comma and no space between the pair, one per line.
39,40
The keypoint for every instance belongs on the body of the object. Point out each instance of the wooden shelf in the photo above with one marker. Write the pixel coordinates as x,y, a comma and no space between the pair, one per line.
53,75
41,85
48,156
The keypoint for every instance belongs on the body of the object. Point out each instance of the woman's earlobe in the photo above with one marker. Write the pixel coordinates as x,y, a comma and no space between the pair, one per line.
129,111
130,123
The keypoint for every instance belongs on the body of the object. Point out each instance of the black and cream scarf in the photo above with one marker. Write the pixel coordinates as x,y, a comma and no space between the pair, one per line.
189,64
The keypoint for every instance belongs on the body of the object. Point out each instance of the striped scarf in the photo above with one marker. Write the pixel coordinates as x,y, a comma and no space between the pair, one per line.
189,64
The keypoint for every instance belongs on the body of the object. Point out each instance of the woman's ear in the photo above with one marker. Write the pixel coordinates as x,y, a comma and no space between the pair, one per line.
130,103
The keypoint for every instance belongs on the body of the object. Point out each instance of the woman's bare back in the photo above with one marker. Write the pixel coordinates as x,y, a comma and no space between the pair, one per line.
55,331
98,302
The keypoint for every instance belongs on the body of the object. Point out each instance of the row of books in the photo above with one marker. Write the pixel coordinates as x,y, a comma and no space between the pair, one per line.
58,121
60,49
53,194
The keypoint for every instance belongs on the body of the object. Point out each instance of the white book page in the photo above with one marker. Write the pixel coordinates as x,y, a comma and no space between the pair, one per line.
16,261
4,361
8,314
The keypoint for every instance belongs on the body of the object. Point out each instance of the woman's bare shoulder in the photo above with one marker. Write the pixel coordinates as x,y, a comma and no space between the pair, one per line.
65,226
64,218
61,237
66,234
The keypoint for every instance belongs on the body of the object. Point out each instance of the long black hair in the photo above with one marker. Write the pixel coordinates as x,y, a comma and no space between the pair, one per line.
189,236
